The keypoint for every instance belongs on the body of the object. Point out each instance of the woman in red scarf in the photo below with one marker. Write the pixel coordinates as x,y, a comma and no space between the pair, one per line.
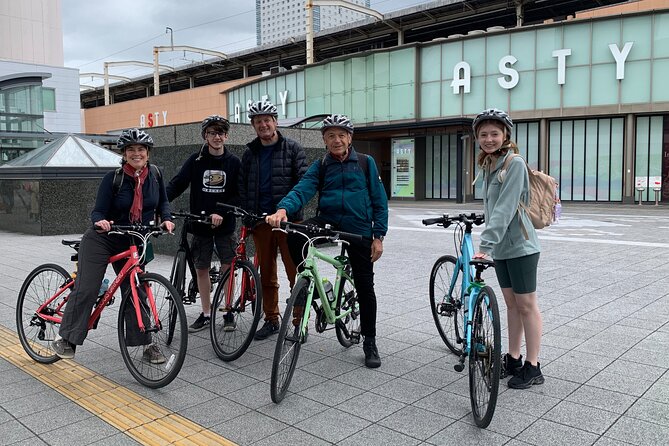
140,198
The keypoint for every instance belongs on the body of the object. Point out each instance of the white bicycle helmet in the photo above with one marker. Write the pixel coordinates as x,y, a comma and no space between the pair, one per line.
134,136
215,120
262,108
337,121
493,114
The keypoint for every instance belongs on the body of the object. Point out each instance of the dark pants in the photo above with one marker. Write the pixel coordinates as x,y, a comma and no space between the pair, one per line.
359,255
94,253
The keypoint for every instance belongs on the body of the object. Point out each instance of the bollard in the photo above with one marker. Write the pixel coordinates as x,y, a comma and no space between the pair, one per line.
640,190
657,195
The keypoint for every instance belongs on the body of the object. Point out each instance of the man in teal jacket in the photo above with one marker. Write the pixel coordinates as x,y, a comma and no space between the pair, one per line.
351,199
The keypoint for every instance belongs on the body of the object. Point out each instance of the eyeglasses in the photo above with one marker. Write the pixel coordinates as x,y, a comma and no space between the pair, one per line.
214,134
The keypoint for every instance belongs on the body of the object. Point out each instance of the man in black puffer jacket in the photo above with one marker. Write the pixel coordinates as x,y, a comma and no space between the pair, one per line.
271,166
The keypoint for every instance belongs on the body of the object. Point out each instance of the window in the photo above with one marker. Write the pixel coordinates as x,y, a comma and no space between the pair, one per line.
49,99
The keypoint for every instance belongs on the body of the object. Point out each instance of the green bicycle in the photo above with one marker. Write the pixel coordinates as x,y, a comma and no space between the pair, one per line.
338,303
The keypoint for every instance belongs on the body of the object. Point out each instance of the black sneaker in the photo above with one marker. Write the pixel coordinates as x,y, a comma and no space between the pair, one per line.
229,323
528,376
510,366
372,359
63,348
153,354
267,330
200,323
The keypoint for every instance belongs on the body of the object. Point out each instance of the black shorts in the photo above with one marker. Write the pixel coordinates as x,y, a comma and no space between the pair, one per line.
520,273
202,248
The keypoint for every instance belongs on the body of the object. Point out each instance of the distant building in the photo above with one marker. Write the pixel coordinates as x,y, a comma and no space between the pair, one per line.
37,93
282,19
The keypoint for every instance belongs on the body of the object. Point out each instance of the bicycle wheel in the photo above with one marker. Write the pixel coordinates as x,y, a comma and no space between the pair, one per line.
348,328
288,343
178,280
484,358
35,333
448,308
232,329
154,357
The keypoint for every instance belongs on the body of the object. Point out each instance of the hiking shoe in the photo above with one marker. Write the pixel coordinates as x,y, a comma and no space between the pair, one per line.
229,323
372,359
528,376
510,366
268,329
200,323
153,355
63,348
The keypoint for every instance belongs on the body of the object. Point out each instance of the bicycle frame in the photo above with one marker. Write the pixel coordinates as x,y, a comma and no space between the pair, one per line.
240,254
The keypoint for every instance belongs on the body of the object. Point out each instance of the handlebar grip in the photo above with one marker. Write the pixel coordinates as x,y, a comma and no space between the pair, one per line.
229,207
432,221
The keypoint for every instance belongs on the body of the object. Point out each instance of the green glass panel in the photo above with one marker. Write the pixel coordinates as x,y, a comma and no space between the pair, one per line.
316,105
522,46
603,85
381,69
566,147
402,66
660,91
338,103
547,89
578,158
280,83
574,37
604,33
575,92
496,96
522,95
451,104
554,142
635,88
533,144
497,46
617,132
640,31
299,80
369,71
327,87
474,51
429,140
301,109
591,160
548,40
314,81
451,55
661,36
430,100
603,159
337,78
655,149
474,102
359,73
369,107
381,104
402,103
49,99
359,107
436,167
430,63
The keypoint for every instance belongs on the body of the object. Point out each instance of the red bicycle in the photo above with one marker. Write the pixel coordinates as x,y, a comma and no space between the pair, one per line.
237,302
152,311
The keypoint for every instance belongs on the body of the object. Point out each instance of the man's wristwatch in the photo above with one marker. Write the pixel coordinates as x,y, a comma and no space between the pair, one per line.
379,237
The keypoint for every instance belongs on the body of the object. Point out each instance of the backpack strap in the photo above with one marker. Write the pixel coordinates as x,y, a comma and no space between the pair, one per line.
119,174
521,205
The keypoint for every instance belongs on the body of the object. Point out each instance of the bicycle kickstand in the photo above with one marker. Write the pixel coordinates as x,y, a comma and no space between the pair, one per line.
460,366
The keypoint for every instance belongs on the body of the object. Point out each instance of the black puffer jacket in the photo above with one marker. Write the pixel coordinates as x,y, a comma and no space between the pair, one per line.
288,166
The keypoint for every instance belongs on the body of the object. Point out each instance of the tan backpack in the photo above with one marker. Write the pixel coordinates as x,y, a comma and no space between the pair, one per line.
544,196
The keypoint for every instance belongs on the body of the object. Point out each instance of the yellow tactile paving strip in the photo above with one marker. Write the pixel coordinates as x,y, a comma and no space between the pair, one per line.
139,418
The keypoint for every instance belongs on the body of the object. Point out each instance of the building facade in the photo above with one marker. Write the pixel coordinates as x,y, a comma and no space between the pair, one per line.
589,98
282,19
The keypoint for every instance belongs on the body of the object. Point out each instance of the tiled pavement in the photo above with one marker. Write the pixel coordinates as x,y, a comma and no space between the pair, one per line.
604,296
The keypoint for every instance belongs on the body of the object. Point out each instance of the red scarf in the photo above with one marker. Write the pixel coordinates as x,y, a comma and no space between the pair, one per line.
137,200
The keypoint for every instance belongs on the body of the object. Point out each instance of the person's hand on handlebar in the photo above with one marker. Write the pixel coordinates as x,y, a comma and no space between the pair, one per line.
103,225
168,226
216,220
276,218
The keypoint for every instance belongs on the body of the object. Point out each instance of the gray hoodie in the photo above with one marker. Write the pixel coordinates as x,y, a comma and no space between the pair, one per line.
503,237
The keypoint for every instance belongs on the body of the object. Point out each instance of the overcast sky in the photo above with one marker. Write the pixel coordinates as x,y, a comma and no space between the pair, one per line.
101,31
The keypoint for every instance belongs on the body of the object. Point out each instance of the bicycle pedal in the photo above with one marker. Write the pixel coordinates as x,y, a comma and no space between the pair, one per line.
459,367
355,337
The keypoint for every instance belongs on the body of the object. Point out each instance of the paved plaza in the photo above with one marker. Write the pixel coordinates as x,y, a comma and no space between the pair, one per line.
603,288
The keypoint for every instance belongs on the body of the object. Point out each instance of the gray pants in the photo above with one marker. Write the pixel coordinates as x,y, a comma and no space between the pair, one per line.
94,253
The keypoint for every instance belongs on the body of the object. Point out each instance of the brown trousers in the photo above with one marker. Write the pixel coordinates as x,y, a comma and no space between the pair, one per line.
268,243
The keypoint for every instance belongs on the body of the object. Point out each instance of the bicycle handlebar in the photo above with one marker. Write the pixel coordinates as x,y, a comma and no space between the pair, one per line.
446,220
319,231
205,219
248,219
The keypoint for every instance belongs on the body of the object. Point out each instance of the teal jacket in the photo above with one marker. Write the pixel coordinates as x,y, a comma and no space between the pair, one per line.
503,237
345,201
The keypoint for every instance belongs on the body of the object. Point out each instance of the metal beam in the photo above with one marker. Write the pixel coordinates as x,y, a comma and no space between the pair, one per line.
161,49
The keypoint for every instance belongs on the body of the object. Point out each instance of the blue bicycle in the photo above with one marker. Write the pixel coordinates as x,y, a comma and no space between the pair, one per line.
465,311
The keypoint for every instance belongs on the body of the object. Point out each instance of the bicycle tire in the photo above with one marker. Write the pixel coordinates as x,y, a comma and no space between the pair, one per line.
35,334
230,345
167,302
485,357
288,344
448,311
348,297
178,280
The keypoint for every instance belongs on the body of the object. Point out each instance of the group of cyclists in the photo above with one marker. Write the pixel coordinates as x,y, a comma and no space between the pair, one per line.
273,178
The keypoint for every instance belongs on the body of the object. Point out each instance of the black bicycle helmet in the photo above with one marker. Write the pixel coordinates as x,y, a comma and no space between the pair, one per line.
262,108
337,121
215,120
134,136
493,114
